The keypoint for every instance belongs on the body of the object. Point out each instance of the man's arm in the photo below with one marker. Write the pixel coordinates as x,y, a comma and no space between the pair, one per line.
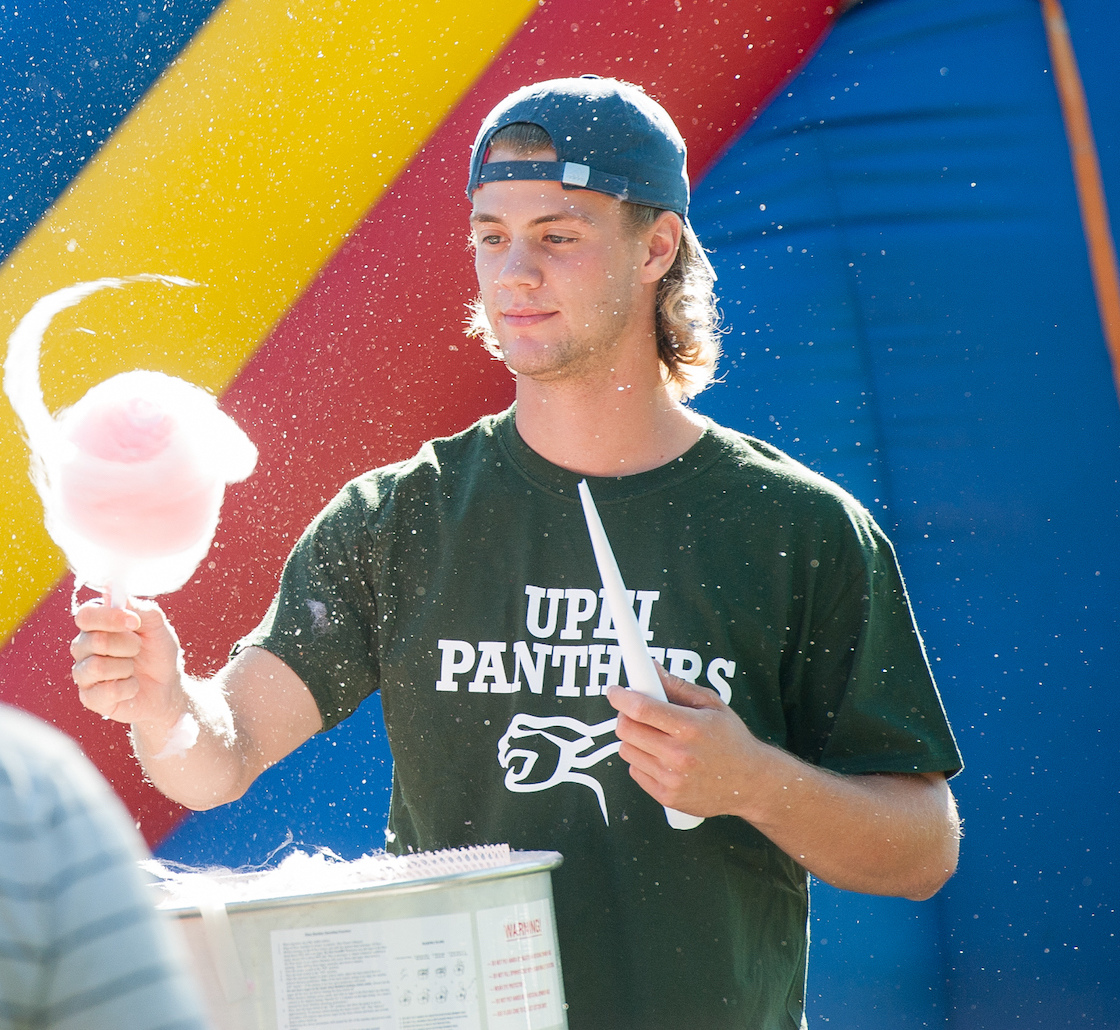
201,742
878,834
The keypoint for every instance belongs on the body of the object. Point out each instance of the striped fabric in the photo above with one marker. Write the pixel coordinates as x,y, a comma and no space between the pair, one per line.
81,947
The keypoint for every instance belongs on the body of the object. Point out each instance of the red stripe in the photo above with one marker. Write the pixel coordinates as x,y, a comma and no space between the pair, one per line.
371,360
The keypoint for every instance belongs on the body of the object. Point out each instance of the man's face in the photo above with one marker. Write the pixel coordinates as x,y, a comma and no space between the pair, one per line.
558,275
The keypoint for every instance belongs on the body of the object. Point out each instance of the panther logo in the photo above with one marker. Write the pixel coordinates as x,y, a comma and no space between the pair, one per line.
566,745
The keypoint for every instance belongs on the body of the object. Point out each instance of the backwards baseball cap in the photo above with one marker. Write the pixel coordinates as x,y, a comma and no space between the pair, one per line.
608,137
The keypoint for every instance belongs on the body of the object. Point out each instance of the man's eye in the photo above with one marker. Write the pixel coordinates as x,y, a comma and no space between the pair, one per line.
490,241
557,238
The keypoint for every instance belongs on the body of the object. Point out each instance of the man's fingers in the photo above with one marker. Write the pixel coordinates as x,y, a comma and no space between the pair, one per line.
638,757
650,784
681,692
97,616
641,734
657,757
124,659
99,642
647,710
110,698
99,668
662,775
665,716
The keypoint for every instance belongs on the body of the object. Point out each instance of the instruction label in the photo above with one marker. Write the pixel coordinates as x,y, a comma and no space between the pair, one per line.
520,967
404,974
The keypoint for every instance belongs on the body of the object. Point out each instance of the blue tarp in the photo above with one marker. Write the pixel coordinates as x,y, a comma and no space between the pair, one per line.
910,312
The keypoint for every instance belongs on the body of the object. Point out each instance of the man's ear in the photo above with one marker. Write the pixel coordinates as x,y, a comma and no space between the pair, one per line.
663,239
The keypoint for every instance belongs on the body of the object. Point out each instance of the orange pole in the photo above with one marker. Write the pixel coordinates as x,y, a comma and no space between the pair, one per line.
1087,174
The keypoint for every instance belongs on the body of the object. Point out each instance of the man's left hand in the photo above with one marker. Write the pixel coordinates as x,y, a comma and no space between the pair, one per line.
879,833
693,754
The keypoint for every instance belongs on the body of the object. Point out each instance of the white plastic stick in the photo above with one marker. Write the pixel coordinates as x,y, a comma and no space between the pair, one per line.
641,673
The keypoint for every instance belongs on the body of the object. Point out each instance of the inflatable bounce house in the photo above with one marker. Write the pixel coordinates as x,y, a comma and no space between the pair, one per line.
906,204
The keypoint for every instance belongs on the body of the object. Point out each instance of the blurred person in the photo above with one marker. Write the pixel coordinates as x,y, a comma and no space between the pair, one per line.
82,946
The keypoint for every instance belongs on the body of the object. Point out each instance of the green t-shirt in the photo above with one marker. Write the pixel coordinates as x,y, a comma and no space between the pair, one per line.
462,585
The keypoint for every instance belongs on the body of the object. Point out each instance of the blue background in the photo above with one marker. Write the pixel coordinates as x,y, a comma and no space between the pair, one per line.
912,315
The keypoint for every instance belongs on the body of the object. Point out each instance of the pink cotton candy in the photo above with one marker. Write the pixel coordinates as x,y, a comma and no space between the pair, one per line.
132,476
134,431
135,486
119,513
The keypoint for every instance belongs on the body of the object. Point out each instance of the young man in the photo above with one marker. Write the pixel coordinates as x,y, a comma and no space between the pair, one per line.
802,721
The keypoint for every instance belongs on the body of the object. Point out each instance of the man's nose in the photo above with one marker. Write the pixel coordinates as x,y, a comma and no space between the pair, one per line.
521,267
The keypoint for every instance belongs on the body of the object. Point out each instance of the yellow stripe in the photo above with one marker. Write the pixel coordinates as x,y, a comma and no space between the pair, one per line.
247,164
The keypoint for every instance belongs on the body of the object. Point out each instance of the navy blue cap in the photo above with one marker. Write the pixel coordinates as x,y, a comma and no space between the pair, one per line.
608,137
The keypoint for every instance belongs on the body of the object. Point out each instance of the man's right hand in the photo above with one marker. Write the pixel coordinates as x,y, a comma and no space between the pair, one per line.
128,664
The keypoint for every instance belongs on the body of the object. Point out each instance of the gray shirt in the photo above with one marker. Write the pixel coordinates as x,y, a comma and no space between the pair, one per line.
81,944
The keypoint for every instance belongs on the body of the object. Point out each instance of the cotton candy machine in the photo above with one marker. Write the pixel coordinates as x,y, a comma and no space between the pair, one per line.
445,941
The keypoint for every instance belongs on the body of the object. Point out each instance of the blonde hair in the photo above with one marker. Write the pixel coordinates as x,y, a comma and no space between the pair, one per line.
686,317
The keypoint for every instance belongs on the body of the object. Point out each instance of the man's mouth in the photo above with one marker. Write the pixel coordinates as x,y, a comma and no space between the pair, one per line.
524,317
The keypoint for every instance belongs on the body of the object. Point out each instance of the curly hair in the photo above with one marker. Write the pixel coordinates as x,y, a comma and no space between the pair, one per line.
686,319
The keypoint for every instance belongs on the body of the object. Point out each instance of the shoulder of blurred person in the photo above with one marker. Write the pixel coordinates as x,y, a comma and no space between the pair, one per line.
82,946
